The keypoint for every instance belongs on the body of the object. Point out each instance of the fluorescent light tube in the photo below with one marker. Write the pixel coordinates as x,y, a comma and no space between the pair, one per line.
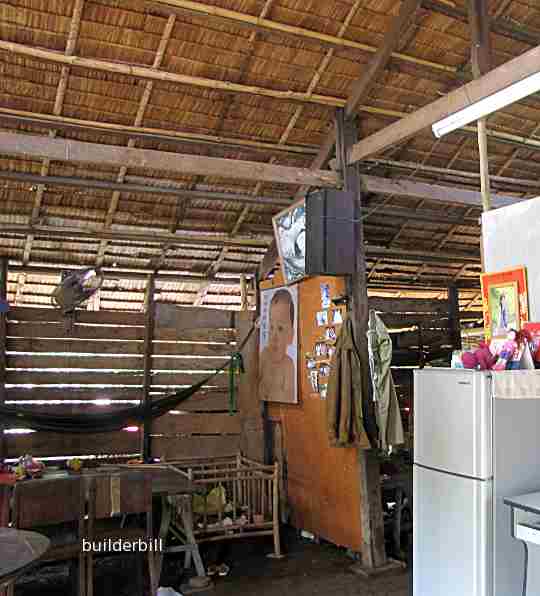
488,105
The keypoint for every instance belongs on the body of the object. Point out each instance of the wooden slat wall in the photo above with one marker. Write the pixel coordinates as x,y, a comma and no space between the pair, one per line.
100,357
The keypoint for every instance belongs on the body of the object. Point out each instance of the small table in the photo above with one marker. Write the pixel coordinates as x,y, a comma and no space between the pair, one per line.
20,550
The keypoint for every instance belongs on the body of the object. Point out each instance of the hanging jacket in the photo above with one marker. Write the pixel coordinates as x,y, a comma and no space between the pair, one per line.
384,392
344,394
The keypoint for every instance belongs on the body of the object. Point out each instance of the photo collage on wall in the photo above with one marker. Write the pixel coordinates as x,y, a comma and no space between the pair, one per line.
318,361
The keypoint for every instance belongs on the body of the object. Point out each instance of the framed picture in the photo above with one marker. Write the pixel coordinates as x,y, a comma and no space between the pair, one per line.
290,234
278,358
505,302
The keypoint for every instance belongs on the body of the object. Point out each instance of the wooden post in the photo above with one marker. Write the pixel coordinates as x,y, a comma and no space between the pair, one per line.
3,342
454,325
373,551
479,22
149,321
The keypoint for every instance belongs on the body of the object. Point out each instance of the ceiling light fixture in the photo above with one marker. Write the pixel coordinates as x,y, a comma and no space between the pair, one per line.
488,105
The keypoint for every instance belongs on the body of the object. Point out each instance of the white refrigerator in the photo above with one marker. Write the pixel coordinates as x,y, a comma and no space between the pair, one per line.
471,449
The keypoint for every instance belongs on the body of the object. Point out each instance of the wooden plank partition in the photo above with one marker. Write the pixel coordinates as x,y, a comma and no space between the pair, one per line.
96,364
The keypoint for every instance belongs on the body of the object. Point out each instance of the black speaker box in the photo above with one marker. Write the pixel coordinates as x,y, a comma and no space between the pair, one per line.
331,217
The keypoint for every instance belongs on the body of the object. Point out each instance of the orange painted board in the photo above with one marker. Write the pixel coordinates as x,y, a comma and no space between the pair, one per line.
322,481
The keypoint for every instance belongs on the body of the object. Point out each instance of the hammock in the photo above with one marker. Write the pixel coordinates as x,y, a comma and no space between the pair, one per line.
119,419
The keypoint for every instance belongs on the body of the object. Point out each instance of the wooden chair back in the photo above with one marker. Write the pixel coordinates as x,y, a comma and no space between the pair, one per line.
121,494
48,502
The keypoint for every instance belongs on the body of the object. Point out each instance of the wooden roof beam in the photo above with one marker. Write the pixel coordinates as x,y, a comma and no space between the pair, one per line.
32,146
17,267
497,79
518,185
151,134
153,186
116,235
361,88
265,24
499,26
430,192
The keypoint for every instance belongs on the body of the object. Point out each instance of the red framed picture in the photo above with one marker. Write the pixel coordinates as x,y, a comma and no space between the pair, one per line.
505,301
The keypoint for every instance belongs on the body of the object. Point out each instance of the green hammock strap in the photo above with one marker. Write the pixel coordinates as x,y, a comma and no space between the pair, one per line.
236,367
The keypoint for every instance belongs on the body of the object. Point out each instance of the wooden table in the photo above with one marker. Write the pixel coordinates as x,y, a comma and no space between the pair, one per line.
20,550
166,484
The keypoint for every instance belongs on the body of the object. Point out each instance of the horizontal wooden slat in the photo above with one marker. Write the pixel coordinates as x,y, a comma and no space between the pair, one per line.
221,380
113,363
67,409
52,315
60,331
405,305
20,344
206,424
199,446
184,318
45,444
204,335
61,362
63,393
408,340
393,320
108,347
191,349
101,378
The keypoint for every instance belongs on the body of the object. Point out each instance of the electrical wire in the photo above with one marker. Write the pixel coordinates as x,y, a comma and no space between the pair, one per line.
525,568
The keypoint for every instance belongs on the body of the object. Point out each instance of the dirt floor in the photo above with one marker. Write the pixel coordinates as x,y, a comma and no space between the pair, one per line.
307,569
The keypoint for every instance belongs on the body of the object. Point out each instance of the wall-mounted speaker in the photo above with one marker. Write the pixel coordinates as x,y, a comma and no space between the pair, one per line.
331,232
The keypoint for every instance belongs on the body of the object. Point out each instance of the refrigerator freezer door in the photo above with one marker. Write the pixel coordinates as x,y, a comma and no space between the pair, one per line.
452,535
452,421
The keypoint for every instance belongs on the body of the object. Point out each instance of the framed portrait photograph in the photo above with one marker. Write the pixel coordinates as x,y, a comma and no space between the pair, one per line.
278,357
505,302
290,234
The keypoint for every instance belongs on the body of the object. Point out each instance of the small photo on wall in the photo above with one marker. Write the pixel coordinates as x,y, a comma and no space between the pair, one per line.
322,318
337,318
324,370
321,350
326,301
314,380
331,352
323,390
330,334
311,363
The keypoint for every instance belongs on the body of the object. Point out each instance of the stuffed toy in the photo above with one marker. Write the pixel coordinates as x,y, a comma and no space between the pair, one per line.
480,359
511,351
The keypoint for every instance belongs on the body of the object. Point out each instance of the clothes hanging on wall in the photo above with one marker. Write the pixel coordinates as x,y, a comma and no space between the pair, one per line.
384,392
344,397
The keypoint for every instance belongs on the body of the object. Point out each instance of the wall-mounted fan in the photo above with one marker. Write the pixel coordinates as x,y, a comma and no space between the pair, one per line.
75,288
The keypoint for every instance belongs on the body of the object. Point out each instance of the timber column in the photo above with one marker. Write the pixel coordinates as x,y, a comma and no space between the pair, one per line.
373,551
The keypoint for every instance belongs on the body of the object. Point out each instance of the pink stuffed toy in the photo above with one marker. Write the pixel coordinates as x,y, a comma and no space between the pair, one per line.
481,358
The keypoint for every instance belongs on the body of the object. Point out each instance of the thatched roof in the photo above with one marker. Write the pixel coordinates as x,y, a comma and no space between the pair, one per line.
314,49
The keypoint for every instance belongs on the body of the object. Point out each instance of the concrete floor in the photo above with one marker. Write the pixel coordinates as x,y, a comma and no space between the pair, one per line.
308,569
